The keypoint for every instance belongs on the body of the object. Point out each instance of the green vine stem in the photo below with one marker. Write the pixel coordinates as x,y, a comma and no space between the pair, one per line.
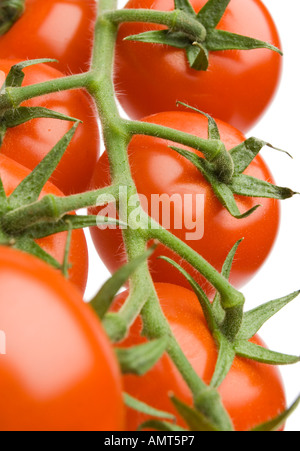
116,135
175,20
13,97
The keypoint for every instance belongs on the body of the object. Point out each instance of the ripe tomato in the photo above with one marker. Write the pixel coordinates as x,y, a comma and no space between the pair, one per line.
29,143
12,173
158,170
57,29
237,87
252,393
59,371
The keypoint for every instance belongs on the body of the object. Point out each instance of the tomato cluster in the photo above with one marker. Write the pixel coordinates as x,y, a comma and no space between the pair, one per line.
60,371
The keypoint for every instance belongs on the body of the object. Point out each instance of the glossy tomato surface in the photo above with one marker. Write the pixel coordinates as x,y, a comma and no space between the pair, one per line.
252,393
12,174
59,372
29,143
160,171
237,87
58,29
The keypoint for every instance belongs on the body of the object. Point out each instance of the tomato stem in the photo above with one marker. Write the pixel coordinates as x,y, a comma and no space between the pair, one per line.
176,20
213,149
231,299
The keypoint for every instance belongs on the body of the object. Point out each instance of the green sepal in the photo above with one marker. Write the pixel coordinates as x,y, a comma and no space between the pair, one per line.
16,75
66,265
276,423
31,247
222,190
141,358
212,12
217,40
197,56
226,355
164,37
161,426
245,185
217,308
256,318
104,298
29,190
10,12
244,348
243,154
142,407
184,5
13,118
196,420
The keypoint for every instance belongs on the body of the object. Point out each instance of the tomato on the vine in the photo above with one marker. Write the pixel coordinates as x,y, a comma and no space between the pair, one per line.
58,29
237,87
252,393
29,143
12,173
159,171
59,372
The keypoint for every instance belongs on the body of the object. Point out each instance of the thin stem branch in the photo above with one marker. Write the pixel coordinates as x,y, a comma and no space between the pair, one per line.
52,208
175,20
13,97
213,150
230,297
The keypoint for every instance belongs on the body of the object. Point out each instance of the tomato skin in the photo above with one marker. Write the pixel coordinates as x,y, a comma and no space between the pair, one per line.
59,371
252,393
237,87
29,143
156,169
12,174
58,29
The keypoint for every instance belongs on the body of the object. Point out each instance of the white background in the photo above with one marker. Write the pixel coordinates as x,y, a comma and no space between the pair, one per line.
280,274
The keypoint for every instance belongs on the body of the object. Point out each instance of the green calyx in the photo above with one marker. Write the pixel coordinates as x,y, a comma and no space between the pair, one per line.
239,183
184,34
24,217
14,115
10,12
233,330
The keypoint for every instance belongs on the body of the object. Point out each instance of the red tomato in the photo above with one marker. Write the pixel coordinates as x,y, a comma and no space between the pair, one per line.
29,143
57,29
158,170
12,174
252,393
237,87
59,371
